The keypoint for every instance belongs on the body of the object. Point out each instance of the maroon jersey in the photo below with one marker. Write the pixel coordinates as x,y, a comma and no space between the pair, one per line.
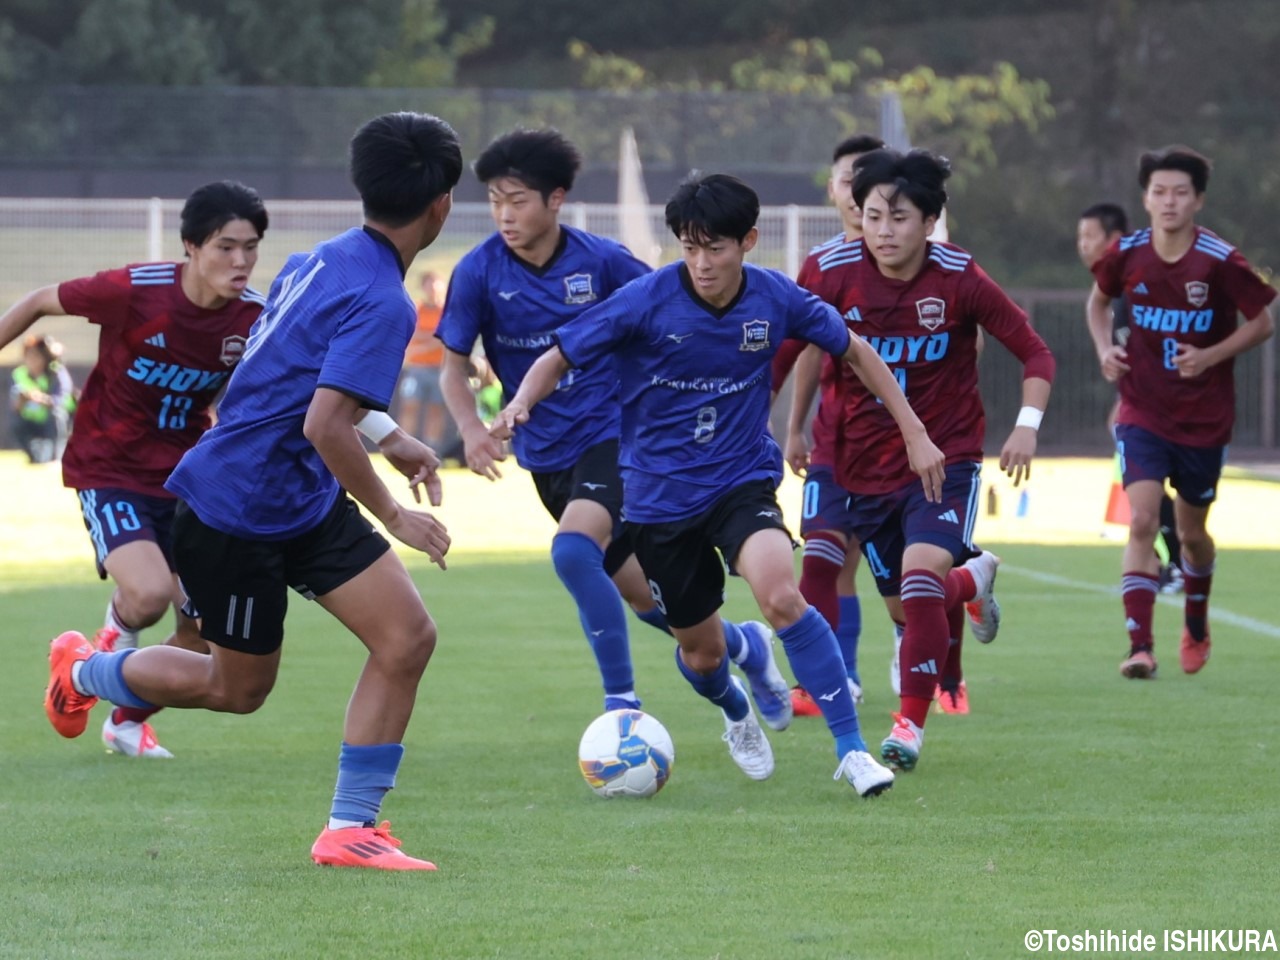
926,330
161,362
1193,301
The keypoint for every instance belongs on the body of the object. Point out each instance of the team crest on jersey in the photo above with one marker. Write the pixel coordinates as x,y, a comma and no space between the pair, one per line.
577,288
232,350
1197,293
932,312
755,335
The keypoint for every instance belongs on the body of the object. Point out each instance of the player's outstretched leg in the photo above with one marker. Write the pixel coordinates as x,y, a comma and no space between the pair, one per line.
65,704
126,730
748,745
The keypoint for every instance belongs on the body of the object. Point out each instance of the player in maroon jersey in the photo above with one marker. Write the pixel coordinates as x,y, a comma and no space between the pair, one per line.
830,563
1184,286
170,335
920,303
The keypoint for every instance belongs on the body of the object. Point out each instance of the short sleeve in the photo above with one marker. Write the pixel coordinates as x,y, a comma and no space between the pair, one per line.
593,334
102,299
1108,271
1248,291
813,319
365,353
624,267
466,308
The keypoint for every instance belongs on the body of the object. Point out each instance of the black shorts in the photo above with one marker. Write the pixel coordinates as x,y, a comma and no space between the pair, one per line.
594,477
680,558
240,586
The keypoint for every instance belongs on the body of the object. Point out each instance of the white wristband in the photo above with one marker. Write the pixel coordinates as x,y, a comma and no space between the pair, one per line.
376,425
1029,417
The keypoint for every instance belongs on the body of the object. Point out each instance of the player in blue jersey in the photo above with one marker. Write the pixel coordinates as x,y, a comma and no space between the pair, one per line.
267,496
693,343
512,292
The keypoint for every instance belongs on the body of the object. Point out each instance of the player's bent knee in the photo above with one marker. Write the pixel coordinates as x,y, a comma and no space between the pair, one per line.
1144,524
242,699
145,606
408,650
783,605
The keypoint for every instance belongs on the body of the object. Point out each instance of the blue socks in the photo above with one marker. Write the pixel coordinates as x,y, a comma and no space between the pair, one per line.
365,774
102,676
815,660
656,619
716,687
847,635
579,563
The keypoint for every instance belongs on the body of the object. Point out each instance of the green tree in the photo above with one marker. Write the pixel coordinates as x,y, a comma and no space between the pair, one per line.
420,55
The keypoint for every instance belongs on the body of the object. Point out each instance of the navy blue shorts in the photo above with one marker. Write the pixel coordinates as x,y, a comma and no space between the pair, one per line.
594,477
825,505
886,524
1192,471
114,516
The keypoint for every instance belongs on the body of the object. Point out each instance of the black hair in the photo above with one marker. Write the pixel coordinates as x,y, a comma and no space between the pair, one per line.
1176,157
213,206
858,143
1110,215
918,175
712,207
544,160
403,162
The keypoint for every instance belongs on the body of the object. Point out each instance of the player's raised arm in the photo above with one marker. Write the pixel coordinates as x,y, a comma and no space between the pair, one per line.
42,302
808,370
926,460
536,386
328,427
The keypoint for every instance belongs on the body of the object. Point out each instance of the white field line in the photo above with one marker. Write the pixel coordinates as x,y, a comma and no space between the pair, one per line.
1217,613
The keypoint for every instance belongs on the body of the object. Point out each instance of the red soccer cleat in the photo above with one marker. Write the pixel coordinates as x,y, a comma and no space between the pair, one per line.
1192,654
1139,665
953,701
372,847
803,705
66,708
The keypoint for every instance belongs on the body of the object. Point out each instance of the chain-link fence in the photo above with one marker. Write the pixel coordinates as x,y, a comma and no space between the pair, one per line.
47,241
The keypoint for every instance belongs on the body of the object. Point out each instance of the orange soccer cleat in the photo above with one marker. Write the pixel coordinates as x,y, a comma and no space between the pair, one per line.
1139,665
953,701
66,708
1194,655
373,847
802,704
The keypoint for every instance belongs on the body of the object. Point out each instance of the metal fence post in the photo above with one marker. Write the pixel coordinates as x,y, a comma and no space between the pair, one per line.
155,229
793,239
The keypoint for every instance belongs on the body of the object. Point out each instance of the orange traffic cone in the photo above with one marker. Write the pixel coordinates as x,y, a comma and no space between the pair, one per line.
1117,500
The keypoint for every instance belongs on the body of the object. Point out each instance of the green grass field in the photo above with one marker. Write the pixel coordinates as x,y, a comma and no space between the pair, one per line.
1068,799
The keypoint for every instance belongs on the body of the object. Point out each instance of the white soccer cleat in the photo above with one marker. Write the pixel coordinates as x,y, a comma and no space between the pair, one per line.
895,666
768,687
983,610
133,739
864,774
747,743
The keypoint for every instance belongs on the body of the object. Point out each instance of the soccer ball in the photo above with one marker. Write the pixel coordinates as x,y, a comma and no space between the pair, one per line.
626,753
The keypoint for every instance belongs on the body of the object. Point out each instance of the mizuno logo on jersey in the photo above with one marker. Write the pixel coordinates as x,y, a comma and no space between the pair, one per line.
679,337
507,294
595,486
156,341
949,516
929,666
174,377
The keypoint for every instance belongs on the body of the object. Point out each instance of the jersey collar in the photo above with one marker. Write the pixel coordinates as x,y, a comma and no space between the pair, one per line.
383,239
718,312
551,261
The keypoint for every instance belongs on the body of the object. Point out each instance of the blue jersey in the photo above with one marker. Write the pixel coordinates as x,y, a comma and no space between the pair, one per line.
514,308
695,382
338,317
